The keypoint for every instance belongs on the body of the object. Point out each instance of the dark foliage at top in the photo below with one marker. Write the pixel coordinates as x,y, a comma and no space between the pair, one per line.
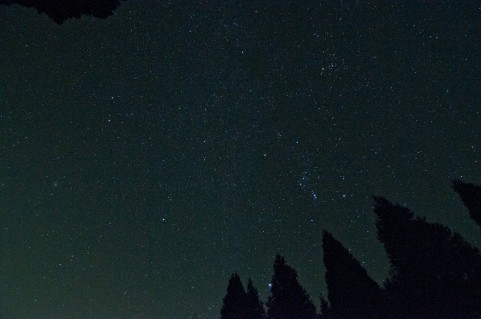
352,293
289,300
59,11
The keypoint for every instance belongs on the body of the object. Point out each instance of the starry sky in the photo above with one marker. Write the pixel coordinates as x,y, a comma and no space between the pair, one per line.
145,157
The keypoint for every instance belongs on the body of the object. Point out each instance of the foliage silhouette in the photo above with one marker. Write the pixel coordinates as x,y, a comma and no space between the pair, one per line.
288,300
351,292
471,196
235,299
254,307
434,271
59,11
239,304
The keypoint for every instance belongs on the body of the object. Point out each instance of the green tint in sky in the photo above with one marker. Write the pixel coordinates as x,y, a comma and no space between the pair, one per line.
146,157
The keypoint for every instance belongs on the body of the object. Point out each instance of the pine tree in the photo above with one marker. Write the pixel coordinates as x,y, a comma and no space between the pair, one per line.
288,300
471,196
434,271
254,307
235,300
351,292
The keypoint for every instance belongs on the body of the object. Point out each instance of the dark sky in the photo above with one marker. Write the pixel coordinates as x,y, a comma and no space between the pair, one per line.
145,157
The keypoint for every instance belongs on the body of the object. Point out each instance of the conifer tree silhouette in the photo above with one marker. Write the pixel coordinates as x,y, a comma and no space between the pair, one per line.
289,300
351,292
471,196
434,271
254,307
239,304
235,300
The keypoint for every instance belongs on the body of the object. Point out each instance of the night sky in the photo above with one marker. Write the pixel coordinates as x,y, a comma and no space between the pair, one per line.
145,157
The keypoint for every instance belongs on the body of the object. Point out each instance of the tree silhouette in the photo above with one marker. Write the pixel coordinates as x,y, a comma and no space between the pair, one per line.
59,11
235,300
351,292
434,271
471,196
239,304
289,300
254,307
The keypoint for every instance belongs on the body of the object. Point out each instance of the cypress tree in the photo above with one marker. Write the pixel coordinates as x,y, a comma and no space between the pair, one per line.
289,300
351,292
254,307
434,271
235,300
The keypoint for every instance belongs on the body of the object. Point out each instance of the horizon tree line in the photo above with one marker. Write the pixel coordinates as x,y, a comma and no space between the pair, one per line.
434,273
